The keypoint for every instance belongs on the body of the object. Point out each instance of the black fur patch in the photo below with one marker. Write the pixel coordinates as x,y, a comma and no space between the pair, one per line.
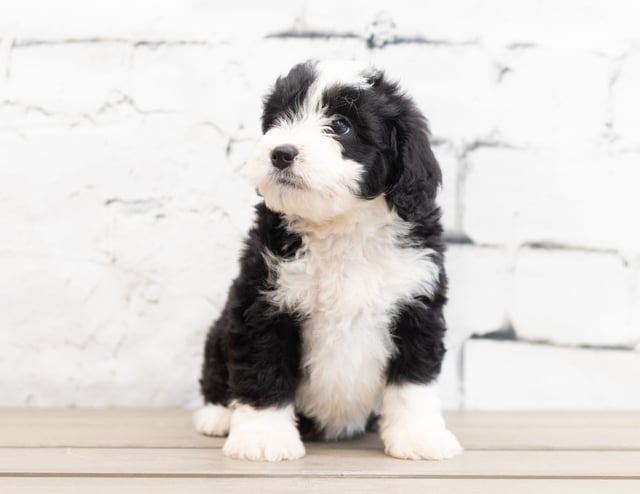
253,351
288,93
370,140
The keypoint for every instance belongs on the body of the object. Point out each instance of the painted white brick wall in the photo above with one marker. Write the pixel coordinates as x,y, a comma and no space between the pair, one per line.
588,302
570,198
478,291
520,376
124,128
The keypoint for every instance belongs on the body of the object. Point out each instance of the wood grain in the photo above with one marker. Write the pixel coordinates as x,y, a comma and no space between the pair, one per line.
314,486
129,428
319,462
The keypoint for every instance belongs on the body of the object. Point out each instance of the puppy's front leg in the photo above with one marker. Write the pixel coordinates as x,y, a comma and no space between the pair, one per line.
412,426
264,356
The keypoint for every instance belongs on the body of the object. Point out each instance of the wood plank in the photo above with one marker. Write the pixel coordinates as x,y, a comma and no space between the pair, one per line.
319,462
173,428
624,419
122,427
314,486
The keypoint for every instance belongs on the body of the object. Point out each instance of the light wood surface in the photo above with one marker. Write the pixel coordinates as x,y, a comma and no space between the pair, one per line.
313,486
162,428
81,450
319,462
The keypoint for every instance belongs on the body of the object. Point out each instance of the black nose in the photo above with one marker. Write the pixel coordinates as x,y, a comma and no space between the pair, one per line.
283,156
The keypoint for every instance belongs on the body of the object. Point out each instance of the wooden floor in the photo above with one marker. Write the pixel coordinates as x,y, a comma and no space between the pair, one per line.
101,451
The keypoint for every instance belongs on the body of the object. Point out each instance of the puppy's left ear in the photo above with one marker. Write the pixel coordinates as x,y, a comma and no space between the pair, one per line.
416,174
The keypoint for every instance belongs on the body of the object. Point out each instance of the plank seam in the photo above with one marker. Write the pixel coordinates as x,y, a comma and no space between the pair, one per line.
315,476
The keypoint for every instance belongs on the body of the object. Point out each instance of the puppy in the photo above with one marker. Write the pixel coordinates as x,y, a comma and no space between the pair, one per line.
337,313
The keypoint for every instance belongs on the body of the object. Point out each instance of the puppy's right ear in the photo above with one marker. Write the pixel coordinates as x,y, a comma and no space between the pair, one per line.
416,174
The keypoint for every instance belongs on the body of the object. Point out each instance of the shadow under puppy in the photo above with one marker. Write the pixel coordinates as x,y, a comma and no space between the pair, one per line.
337,313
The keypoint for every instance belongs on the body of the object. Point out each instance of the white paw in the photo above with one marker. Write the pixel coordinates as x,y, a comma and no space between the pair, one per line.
212,420
434,443
263,446
263,435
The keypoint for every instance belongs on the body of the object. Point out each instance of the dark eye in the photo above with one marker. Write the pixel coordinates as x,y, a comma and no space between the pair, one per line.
340,126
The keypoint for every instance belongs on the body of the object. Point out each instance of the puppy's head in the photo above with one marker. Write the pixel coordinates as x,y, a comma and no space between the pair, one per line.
336,135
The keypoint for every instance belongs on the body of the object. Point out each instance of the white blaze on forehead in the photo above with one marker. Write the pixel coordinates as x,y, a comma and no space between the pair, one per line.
342,72
331,73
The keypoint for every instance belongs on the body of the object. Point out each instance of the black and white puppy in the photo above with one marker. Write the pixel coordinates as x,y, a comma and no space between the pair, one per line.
337,313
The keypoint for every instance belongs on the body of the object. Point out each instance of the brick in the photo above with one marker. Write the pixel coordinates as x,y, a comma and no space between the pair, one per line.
606,27
624,111
5,44
450,379
573,298
453,86
171,164
166,20
477,290
522,376
448,195
513,197
469,98
596,26
224,83
635,300
68,78
545,101
186,79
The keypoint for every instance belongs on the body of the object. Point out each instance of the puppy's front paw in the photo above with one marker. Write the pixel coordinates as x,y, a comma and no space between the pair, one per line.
268,445
268,434
212,420
434,443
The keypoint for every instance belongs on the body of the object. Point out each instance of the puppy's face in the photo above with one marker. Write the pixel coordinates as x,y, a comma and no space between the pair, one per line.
329,140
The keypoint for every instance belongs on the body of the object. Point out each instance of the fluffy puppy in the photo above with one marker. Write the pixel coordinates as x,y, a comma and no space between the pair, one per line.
336,315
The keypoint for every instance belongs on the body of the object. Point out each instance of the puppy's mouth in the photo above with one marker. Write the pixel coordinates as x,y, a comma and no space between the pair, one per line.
287,179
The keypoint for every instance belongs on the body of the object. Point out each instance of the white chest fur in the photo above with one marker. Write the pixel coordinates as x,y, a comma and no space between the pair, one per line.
347,281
